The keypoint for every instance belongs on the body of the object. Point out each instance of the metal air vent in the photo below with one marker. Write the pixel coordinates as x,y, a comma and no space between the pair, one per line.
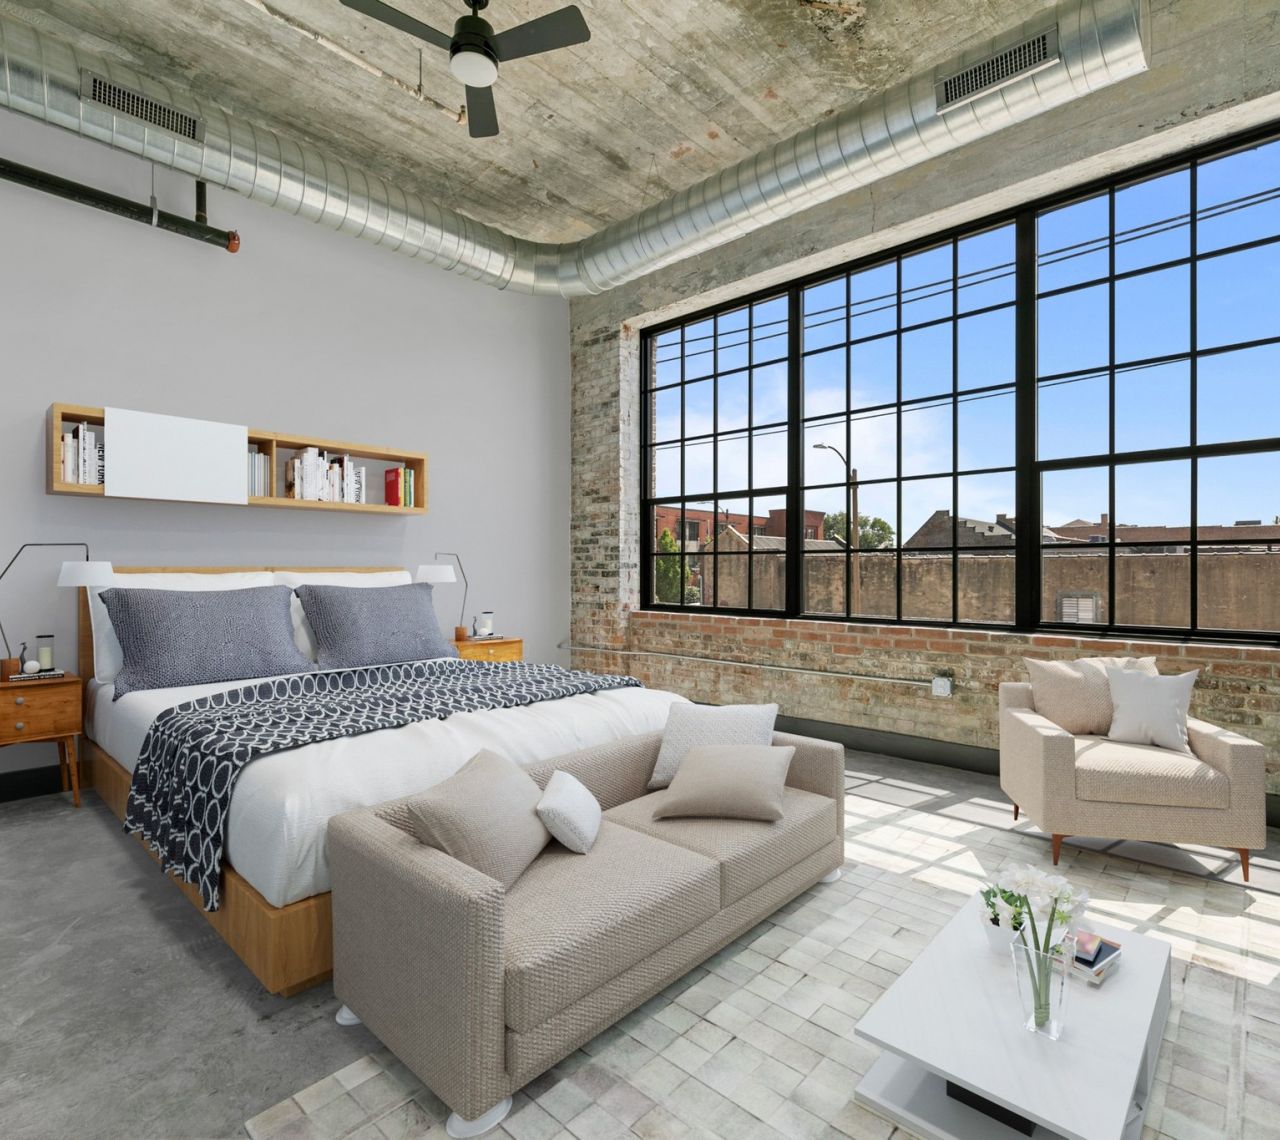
997,70
98,89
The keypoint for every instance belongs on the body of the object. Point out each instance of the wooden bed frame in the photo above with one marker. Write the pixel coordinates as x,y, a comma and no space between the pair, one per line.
288,948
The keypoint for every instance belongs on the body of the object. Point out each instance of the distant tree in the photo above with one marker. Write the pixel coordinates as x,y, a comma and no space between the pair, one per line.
873,533
666,575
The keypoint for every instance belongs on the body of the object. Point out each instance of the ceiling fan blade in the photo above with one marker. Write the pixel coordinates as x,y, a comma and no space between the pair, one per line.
389,15
554,30
482,115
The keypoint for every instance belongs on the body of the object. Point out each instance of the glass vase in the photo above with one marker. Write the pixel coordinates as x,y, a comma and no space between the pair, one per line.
1042,984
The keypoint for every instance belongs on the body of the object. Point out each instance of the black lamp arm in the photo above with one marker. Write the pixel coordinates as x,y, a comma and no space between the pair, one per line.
466,586
83,546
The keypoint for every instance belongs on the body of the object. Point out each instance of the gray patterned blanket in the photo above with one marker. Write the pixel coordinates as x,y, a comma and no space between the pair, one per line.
194,751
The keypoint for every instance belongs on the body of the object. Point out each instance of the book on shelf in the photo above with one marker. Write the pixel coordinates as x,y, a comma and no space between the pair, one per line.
317,476
83,459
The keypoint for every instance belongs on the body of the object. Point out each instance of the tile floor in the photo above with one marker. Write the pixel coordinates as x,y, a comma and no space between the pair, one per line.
758,1043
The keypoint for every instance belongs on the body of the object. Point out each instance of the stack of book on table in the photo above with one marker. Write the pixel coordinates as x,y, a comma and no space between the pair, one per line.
83,459
1096,957
316,475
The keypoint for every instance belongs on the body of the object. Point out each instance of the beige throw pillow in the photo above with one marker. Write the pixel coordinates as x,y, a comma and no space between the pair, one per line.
484,815
728,781
689,725
1076,695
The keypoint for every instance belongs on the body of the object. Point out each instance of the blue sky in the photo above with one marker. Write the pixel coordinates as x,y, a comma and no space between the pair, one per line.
1238,393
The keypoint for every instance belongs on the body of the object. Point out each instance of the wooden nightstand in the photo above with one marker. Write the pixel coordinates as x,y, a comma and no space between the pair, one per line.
491,649
45,710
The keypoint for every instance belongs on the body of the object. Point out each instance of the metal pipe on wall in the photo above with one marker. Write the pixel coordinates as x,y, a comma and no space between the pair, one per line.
1099,43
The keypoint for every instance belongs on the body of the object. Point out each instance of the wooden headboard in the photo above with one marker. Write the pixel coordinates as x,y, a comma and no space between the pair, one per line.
84,641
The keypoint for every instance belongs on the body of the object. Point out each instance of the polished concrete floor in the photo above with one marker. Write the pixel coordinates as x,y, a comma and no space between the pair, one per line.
122,1014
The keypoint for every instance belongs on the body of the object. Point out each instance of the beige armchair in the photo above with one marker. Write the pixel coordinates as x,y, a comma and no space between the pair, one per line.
1089,785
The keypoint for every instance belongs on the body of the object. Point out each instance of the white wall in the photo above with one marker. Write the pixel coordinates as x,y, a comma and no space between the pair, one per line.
303,330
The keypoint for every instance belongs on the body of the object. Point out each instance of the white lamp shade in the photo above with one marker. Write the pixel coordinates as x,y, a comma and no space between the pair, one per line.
436,574
86,574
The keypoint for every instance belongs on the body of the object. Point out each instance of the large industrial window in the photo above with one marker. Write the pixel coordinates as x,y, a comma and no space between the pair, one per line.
1068,416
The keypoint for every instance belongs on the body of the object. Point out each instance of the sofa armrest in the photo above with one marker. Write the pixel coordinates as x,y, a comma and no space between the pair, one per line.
1037,765
1241,760
818,766
1016,695
615,773
418,955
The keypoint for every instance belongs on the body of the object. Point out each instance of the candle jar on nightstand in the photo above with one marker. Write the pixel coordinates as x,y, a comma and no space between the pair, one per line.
44,651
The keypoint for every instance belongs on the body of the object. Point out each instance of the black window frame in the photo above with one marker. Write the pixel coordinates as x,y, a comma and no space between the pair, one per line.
1029,467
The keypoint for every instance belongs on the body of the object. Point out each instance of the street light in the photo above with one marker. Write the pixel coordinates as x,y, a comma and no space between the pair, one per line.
853,578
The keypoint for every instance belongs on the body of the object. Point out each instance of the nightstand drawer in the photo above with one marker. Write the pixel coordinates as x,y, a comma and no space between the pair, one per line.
30,715
508,649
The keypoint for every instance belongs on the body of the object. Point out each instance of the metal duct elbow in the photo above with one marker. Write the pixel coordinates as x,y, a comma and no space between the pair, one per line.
1097,43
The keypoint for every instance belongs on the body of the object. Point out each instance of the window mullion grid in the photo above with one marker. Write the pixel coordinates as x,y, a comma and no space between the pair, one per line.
751,455
1111,408
793,556
897,419
1193,545
1027,474
955,430
850,521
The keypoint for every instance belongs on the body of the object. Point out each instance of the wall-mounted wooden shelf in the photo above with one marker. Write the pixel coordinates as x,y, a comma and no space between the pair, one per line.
279,447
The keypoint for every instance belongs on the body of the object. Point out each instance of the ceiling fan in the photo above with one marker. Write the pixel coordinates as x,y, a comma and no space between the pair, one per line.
475,49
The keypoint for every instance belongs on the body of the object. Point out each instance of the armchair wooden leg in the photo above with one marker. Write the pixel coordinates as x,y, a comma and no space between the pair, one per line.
1244,862
1015,813
1057,847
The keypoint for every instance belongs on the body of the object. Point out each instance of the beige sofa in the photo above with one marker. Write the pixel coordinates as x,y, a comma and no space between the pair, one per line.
478,990
1089,785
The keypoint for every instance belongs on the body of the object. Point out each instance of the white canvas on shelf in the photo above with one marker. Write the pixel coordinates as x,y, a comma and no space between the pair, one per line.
152,456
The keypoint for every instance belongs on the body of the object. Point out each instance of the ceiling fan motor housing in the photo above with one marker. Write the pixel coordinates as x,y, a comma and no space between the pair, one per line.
471,56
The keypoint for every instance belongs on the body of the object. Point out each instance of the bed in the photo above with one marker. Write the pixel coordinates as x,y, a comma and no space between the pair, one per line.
274,909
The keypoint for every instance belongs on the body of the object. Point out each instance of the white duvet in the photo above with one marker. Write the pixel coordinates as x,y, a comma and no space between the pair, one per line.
282,803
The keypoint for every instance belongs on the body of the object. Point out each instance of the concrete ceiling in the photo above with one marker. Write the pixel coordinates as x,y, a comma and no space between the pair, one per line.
666,92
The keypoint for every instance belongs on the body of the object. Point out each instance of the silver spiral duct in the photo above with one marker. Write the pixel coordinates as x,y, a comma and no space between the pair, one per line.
1099,43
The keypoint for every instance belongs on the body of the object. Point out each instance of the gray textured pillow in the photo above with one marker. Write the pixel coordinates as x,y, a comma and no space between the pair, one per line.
193,637
484,815
728,781
689,725
356,626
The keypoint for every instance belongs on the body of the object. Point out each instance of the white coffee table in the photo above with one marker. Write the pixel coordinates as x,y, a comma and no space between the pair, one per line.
954,1017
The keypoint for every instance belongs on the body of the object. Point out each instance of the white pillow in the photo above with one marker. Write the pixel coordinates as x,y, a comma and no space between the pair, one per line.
303,635
1151,710
570,812
108,657
689,725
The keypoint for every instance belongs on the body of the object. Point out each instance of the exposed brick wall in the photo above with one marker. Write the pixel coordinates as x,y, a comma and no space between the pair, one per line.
1239,685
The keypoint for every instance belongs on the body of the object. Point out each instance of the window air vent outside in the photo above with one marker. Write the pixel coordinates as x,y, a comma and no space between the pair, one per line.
125,101
995,71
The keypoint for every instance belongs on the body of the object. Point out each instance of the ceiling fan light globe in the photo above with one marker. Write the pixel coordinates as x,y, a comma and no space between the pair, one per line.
473,67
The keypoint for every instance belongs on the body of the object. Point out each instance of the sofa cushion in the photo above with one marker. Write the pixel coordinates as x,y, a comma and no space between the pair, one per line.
1108,771
1076,695
749,852
728,781
574,922
484,815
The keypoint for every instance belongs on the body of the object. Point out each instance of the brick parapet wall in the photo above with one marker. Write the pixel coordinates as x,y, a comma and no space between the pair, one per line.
860,674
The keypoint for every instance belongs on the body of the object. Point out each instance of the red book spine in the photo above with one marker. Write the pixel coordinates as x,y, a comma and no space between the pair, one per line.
392,483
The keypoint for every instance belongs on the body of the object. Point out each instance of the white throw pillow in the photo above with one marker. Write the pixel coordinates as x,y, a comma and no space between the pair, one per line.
690,725
108,657
1151,710
570,812
303,635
